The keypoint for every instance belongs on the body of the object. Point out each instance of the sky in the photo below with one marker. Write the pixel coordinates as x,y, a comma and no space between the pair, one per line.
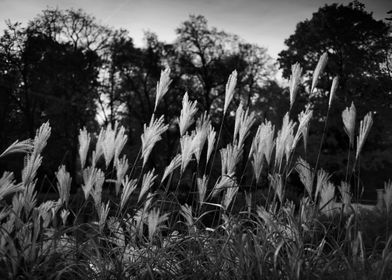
264,22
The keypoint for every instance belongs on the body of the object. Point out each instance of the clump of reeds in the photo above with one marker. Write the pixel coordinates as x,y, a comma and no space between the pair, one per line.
143,234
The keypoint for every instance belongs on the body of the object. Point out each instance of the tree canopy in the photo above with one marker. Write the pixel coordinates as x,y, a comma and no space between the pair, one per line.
358,48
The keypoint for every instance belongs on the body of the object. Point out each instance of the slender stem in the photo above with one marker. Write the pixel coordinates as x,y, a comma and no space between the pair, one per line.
322,141
358,185
348,162
213,157
387,228
217,143
134,163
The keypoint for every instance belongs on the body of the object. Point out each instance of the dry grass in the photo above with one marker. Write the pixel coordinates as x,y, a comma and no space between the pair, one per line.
145,233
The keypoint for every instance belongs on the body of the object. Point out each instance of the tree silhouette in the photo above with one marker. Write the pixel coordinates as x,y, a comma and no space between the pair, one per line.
358,47
48,76
207,56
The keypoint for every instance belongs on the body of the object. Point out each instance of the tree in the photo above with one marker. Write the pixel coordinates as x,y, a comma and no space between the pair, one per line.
201,51
139,73
47,76
207,56
356,43
357,47
74,27
115,59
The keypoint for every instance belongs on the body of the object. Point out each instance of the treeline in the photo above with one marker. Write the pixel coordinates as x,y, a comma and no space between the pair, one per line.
66,67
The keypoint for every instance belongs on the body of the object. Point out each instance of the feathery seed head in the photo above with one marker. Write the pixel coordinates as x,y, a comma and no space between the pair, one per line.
276,182
263,142
230,156
112,142
322,180
262,146
188,111
364,129
119,142
129,187
147,202
248,201
186,212
211,141
151,135
388,195
103,214
162,86
229,196
174,163
306,210
348,116
327,195
84,143
41,138
289,146
319,70
98,152
295,80
154,222
18,203
306,175
238,116
91,177
28,199
25,146
188,147
34,160
202,188
96,191
47,211
284,141
230,87
334,87
243,123
147,183
63,184
7,185
265,215
202,130
225,181
257,164
108,143
345,193
303,127
121,168
64,216
31,165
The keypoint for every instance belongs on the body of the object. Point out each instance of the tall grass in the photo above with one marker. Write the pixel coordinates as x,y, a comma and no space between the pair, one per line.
228,231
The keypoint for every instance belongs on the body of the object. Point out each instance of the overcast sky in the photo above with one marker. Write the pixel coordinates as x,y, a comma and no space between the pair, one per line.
264,22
